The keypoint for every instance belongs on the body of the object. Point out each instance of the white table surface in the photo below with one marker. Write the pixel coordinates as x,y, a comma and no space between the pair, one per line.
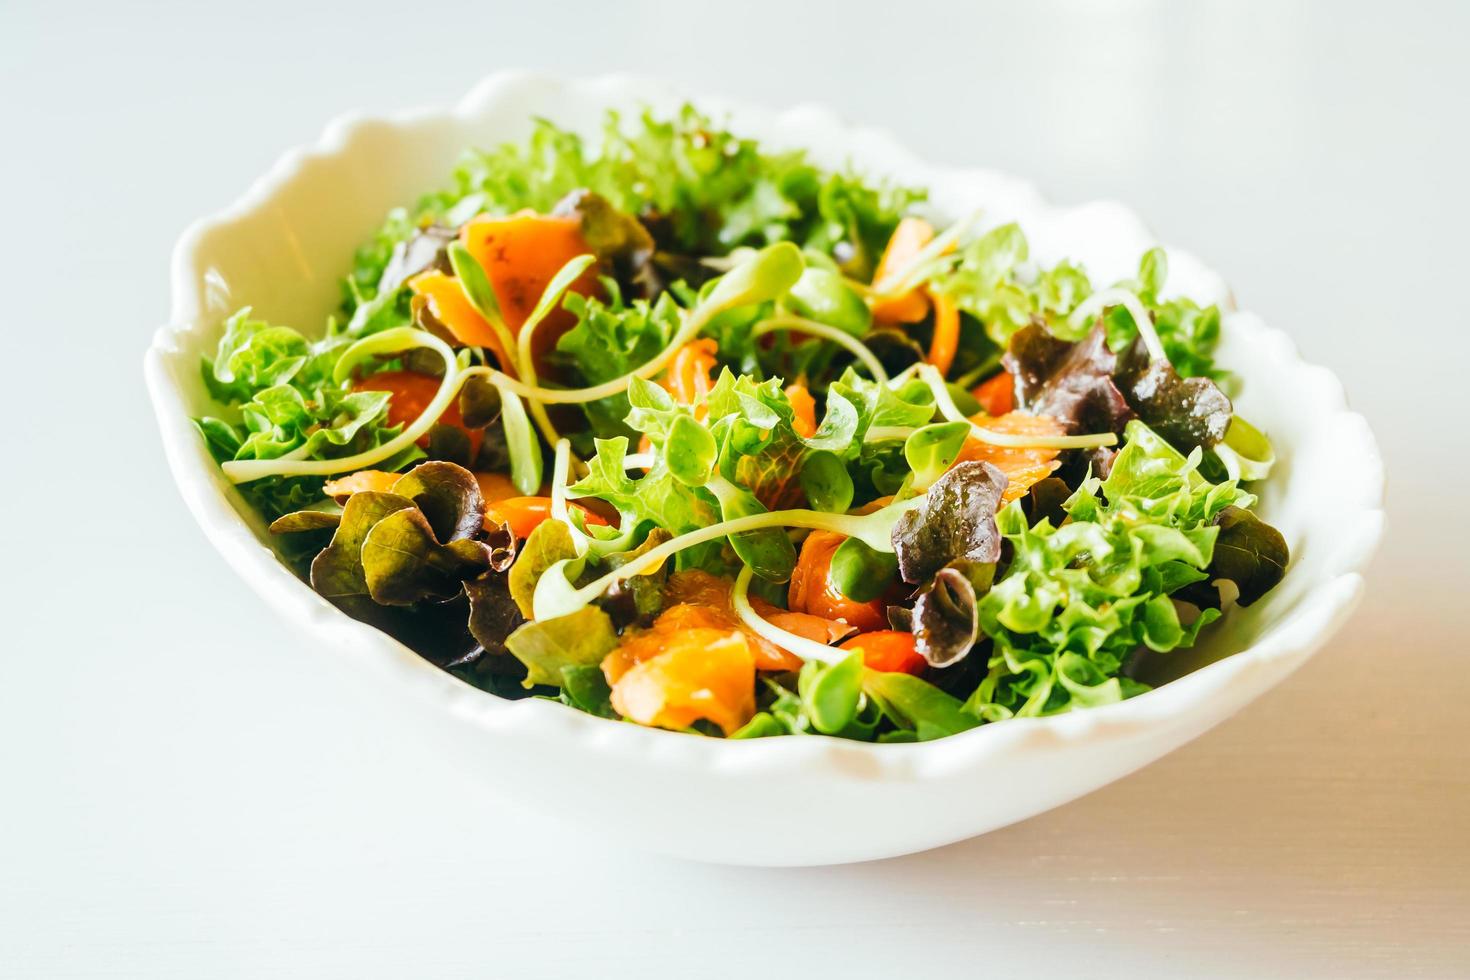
189,790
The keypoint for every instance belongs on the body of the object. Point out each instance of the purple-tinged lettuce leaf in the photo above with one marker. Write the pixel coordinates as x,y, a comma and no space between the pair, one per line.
1071,382
421,251
944,619
1188,412
955,521
404,562
639,598
479,402
619,240
448,495
1089,388
302,521
337,572
417,543
493,614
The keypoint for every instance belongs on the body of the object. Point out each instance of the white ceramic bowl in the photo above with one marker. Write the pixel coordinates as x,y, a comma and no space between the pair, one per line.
782,801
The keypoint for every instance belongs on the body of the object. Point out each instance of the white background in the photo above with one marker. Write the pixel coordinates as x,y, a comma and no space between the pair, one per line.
187,789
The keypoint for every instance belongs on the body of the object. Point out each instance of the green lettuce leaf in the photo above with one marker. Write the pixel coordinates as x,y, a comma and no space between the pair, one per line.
993,280
657,498
1077,600
549,646
609,340
278,388
1190,332
699,188
584,687
253,355
548,544
915,706
830,693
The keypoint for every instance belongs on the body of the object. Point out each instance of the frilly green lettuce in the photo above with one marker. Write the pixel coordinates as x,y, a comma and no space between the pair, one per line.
1077,600
993,280
699,188
280,388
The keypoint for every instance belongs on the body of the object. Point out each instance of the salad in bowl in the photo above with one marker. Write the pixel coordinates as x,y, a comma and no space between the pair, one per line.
692,433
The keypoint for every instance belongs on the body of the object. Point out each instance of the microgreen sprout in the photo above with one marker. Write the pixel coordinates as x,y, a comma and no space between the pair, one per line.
1126,298
555,596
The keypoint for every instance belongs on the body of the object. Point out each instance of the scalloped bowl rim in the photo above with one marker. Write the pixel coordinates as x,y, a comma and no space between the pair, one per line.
1304,629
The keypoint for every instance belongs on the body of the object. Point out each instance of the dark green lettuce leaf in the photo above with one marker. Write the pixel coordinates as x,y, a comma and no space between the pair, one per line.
762,725
826,482
609,340
855,218
830,692
584,687
449,444
896,350
1249,552
1047,500
861,573
372,258
768,551
699,188
1190,334
916,706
